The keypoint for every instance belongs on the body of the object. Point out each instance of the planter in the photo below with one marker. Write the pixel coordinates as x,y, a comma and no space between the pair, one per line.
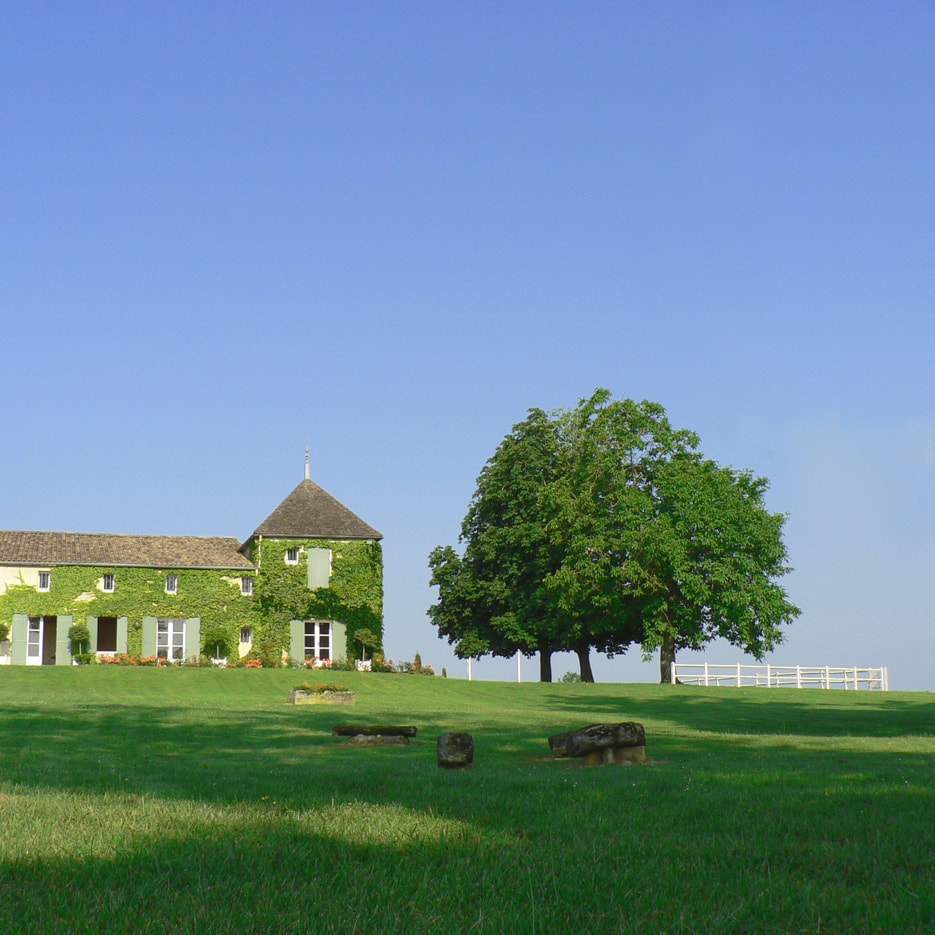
299,696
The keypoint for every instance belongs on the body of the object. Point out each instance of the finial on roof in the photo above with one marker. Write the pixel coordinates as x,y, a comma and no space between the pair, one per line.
308,475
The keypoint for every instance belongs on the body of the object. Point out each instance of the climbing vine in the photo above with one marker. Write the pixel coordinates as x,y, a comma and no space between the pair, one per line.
77,590
354,595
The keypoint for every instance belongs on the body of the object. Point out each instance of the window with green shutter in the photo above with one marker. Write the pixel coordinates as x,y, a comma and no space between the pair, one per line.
319,568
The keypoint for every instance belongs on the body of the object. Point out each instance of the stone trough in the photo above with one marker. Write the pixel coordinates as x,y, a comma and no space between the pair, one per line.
301,696
374,733
602,743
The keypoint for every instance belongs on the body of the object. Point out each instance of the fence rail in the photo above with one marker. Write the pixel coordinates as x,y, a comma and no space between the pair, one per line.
770,676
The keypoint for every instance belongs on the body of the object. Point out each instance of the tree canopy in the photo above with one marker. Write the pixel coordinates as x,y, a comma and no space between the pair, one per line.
602,526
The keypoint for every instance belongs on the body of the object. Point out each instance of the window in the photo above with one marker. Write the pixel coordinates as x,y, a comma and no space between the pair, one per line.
170,638
292,556
319,568
107,634
108,583
172,584
317,639
246,585
45,580
246,635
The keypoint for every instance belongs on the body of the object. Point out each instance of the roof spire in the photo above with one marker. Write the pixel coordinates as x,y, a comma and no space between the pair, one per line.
308,475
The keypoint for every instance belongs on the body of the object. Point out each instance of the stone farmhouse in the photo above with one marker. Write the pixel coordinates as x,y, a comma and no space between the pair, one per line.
299,587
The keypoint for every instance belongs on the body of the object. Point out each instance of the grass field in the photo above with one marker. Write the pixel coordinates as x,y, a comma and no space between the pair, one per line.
195,800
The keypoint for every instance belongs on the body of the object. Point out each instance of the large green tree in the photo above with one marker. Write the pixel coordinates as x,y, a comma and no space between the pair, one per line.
602,526
494,599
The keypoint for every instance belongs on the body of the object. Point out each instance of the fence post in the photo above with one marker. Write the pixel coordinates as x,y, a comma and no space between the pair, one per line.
798,676
706,674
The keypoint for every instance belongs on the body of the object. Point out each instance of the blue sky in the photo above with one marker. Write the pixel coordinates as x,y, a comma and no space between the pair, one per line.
386,230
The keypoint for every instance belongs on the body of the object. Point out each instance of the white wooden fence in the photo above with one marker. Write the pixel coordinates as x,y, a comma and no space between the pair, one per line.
769,676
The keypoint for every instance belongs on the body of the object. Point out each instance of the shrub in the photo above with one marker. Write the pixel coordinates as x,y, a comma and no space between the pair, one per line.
379,664
571,677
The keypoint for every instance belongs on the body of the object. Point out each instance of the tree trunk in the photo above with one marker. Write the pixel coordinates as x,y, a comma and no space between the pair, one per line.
583,649
545,661
666,658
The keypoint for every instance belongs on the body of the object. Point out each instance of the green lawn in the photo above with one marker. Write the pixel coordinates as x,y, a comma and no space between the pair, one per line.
196,800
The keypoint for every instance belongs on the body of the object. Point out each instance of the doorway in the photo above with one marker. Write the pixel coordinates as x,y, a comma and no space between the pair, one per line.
41,636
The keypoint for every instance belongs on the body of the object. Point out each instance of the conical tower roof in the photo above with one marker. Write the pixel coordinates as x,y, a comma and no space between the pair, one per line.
310,512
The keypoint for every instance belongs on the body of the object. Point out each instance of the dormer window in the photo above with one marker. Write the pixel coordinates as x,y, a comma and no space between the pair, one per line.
292,556
107,583
45,580
172,584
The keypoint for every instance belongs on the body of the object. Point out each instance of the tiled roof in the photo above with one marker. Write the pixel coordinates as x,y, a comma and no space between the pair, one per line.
312,513
77,548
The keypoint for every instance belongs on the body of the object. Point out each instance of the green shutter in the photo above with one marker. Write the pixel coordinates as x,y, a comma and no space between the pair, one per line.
18,637
63,655
297,639
91,624
192,637
123,627
149,636
338,640
319,568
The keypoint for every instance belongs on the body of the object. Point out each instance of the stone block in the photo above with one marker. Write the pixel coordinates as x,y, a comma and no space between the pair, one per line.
455,750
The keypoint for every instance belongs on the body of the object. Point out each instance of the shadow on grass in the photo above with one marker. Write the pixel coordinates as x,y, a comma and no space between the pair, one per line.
289,754
512,845
220,815
811,713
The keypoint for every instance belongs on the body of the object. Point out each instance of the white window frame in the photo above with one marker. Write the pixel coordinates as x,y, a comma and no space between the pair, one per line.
246,635
320,642
45,581
292,556
109,583
170,638
34,634
172,584
246,585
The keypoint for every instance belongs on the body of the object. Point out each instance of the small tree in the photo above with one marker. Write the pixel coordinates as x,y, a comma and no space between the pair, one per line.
216,641
366,638
80,638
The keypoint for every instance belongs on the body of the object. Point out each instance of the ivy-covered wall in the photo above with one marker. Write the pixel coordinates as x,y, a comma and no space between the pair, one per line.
210,594
354,595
